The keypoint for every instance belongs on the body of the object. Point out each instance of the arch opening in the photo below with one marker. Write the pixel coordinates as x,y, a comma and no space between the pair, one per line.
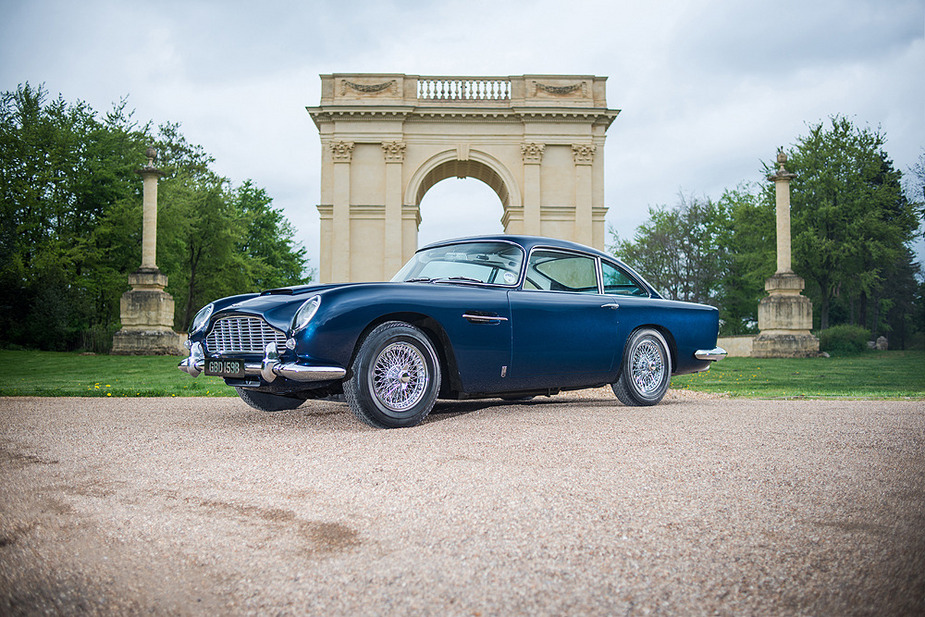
459,207
465,169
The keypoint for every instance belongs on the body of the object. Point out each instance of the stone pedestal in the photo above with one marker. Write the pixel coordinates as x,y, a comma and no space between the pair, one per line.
147,318
785,319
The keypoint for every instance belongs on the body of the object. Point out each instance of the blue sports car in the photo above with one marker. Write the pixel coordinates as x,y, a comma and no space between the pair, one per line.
493,316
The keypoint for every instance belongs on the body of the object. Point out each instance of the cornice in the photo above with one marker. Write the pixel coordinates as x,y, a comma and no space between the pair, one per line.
331,113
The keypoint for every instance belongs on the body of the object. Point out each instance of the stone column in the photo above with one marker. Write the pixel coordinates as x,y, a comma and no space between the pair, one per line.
149,176
785,317
146,311
584,158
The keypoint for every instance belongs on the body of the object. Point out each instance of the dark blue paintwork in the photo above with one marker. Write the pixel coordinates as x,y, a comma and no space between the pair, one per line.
545,340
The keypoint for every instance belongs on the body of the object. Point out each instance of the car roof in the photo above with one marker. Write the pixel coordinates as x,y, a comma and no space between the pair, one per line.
527,242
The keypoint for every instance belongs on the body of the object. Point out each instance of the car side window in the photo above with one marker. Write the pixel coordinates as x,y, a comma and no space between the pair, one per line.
558,271
617,282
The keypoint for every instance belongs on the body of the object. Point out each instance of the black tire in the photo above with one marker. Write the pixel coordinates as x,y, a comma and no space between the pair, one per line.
645,371
268,402
395,377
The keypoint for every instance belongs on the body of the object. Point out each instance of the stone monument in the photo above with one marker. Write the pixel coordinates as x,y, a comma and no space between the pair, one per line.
536,140
785,317
147,310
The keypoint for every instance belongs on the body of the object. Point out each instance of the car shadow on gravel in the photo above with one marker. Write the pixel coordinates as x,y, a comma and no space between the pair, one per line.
334,416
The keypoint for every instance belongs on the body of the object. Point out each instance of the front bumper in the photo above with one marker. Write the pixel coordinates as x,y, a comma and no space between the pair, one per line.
269,369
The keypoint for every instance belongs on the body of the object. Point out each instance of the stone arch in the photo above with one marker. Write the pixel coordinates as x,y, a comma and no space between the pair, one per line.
478,165
536,140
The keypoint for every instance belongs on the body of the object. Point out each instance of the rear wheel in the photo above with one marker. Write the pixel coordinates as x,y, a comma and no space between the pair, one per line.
646,369
268,402
395,377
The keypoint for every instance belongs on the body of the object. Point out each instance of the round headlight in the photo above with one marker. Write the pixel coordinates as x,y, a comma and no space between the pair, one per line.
201,320
305,313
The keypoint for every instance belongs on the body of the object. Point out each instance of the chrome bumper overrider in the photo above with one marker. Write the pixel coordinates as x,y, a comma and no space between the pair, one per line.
717,353
269,369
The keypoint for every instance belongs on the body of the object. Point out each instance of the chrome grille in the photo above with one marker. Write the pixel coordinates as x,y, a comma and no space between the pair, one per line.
243,335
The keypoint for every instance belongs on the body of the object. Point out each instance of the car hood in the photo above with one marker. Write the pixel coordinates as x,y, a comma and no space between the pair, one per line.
278,306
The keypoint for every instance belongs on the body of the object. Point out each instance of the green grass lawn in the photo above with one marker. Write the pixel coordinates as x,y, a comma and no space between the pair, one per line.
890,374
885,374
46,373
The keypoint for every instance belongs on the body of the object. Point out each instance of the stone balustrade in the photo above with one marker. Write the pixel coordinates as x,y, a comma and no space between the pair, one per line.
464,88
513,91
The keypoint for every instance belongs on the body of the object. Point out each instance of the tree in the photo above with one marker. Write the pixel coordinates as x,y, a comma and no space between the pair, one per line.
70,222
61,169
676,249
269,239
850,219
715,252
915,189
747,237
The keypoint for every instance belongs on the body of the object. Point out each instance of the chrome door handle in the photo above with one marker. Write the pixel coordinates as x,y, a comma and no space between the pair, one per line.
484,318
611,305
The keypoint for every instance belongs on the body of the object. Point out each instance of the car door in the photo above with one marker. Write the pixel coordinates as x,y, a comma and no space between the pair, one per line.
563,328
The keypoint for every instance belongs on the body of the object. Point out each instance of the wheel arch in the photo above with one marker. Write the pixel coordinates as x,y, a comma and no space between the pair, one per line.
666,334
438,338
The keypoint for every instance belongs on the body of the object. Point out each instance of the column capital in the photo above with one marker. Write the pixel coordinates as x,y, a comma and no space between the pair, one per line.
394,151
532,152
583,153
342,151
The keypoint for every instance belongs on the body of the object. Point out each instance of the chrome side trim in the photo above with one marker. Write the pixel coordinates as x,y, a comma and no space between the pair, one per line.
717,353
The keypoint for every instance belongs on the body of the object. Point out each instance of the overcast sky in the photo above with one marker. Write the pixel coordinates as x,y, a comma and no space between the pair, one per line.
708,89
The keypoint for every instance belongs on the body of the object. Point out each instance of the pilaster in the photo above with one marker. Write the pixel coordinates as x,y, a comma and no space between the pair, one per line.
394,153
532,159
342,154
583,155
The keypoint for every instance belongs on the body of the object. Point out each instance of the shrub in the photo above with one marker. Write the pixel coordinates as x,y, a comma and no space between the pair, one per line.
844,340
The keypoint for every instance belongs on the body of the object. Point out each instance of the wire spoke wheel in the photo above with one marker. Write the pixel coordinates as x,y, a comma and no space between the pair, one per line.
648,367
395,377
399,376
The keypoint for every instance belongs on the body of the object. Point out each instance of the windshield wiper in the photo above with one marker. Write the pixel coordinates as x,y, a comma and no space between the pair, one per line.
465,279
420,279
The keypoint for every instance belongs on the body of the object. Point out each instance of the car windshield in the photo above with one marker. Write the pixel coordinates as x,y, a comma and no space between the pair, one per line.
496,263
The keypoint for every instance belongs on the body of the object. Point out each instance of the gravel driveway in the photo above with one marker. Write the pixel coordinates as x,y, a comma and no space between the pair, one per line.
561,506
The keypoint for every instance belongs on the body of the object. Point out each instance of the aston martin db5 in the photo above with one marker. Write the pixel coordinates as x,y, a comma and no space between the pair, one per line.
503,316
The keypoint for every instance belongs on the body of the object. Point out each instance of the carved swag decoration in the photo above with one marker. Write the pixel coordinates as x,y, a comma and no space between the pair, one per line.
368,88
560,90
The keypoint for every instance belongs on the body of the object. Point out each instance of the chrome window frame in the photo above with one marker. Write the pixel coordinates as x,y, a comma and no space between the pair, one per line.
629,274
523,263
558,249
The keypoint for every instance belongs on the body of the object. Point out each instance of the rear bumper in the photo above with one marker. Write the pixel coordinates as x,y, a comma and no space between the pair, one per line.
269,369
711,355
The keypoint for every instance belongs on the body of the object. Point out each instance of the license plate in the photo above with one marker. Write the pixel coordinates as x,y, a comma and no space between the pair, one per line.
224,367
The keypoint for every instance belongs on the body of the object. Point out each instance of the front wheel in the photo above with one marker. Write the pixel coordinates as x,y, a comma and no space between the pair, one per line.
395,377
646,369
268,402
